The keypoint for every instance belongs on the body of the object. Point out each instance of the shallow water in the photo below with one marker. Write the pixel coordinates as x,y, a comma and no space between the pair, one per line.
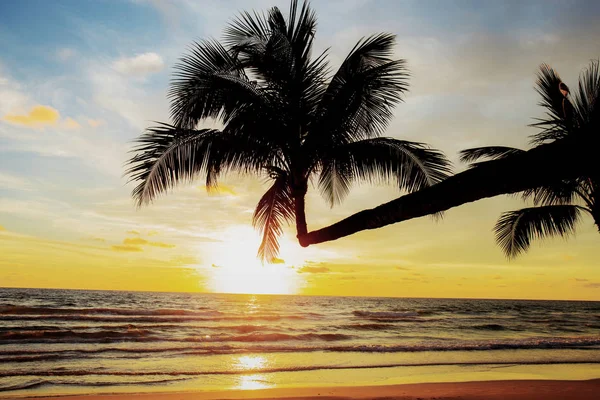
65,341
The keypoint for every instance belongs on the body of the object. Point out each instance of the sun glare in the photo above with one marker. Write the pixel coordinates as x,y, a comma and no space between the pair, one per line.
234,267
253,381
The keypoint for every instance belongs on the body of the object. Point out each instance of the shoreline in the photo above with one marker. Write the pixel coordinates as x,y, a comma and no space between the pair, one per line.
480,390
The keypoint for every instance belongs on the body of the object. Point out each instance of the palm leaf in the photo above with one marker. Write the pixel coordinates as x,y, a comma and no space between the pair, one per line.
274,208
559,110
559,193
167,155
412,166
361,96
515,229
335,180
210,83
587,97
489,152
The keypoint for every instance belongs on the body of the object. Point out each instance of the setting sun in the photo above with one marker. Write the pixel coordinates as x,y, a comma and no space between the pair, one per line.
236,269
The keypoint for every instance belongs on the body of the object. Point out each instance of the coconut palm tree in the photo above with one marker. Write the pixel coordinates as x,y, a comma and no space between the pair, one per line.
558,206
561,173
283,115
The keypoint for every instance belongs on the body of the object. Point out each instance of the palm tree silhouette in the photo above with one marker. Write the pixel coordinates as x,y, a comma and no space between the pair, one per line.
558,206
561,174
285,116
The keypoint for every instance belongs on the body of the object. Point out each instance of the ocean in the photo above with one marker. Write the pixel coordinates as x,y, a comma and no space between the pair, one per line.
75,341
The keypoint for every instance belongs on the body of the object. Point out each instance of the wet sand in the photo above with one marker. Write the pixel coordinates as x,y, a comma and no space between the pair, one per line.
491,390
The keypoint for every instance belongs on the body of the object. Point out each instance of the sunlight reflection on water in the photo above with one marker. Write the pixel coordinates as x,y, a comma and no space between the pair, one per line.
251,362
254,381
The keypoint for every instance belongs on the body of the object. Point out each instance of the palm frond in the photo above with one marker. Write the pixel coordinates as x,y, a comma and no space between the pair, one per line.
165,156
516,229
301,32
247,29
559,110
412,166
587,98
361,96
559,193
335,180
275,207
489,152
275,50
209,83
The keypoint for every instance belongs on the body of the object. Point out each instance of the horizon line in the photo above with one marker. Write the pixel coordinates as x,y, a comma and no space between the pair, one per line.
300,295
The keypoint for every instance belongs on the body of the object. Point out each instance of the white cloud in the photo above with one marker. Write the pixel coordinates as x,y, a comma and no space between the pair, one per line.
136,104
11,96
8,181
141,64
65,54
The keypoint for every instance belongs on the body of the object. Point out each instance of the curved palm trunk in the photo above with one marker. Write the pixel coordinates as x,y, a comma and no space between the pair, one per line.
533,168
299,204
299,189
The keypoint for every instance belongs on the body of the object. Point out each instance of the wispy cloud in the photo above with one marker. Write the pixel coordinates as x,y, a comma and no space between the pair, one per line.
140,64
126,248
65,54
9,181
308,269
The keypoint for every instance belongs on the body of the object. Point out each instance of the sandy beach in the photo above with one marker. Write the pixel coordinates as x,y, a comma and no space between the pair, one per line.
514,390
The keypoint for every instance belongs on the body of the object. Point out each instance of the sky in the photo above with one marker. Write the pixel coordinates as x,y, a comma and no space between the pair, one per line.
80,80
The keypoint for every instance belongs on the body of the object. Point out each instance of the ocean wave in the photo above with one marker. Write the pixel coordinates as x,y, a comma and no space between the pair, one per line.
276,337
369,327
388,315
486,327
23,310
45,382
257,344
137,335
192,373
549,343
70,334
136,319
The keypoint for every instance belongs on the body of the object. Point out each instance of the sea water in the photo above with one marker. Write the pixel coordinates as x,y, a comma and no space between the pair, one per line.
75,341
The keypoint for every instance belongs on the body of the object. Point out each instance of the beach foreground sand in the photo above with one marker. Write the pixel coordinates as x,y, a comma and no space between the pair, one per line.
517,390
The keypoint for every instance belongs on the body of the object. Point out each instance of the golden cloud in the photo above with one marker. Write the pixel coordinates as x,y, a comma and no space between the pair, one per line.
94,123
2,228
313,270
70,123
133,232
135,241
163,245
126,248
277,261
138,241
94,239
39,116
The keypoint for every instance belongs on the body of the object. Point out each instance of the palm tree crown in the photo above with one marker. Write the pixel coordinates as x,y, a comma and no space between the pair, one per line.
558,206
283,115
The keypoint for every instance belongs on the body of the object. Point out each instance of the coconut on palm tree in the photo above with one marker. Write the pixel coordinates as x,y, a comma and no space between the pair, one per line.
561,173
285,116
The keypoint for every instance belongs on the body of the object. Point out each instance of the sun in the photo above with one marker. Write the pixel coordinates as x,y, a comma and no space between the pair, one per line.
234,267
